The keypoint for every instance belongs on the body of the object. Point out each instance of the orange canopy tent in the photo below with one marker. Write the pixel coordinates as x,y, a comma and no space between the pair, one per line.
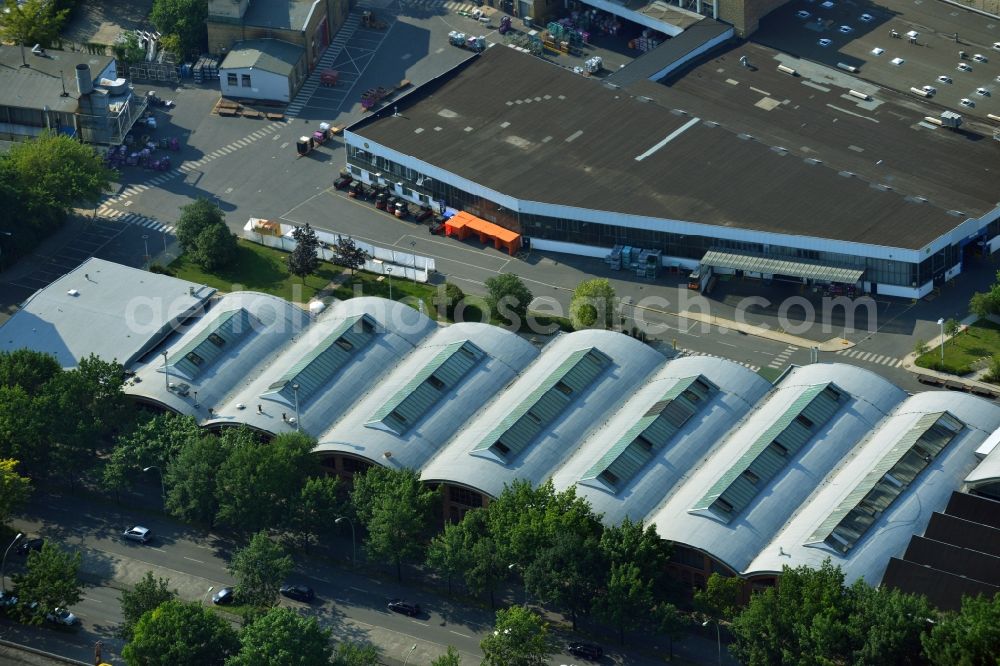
461,225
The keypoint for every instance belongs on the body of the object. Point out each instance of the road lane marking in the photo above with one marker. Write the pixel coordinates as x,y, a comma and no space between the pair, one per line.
193,560
357,589
459,633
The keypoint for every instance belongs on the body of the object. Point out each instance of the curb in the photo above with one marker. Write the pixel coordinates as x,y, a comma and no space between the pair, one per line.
42,653
831,345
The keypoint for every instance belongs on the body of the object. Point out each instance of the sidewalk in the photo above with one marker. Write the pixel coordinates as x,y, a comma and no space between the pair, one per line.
935,378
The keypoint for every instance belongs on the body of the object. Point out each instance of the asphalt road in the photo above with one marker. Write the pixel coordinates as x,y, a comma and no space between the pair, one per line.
352,603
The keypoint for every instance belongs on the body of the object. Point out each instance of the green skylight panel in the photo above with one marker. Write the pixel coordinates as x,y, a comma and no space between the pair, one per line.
652,432
544,405
314,370
435,380
772,451
224,333
887,480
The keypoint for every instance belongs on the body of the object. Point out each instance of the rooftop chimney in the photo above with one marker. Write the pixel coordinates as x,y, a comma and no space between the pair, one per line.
84,81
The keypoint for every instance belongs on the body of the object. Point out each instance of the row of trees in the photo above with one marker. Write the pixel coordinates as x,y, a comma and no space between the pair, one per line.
182,24
30,22
41,180
593,304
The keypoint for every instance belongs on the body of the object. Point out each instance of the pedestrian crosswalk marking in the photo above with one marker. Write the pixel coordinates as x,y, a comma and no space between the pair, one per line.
870,357
692,352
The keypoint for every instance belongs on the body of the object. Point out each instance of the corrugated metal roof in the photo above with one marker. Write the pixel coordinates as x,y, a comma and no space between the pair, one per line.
774,266
315,369
886,480
545,404
227,329
444,372
771,451
651,432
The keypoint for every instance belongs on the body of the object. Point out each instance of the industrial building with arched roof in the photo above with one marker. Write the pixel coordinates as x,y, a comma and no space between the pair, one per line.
741,475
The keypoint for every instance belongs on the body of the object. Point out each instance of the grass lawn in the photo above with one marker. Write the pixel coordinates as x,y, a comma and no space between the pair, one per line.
964,352
257,268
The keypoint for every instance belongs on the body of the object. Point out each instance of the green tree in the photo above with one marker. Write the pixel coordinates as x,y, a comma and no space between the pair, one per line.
14,488
184,20
993,369
303,260
952,327
31,22
519,638
346,253
720,598
886,625
396,508
633,542
29,369
146,595
670,622
447,298
920,348
967,638
593,304
488,566
449,658
508,299
282,636
23,430
449,553
355,654
50,580
259,569
128,50
54,172
568,573
191,478
203,234
983,304
157,440
177,632
318,506
259,482
628,596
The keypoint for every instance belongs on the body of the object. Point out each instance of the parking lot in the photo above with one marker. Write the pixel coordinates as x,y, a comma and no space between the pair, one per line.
900,44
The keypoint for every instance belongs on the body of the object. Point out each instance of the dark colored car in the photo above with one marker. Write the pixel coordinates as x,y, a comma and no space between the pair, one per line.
404,607
343,181
298,592
224,596
437,226
586,651
424,214
29,545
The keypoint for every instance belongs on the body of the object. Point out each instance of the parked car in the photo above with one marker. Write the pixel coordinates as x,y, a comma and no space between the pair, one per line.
7,601
944,79
586,651
866,18
224,596
62,617
302,593
404,607
965,101
846,29
980,58
964,67
983,92
424,214
343,181
29,545
138,533
824,42
802,14
437,226
930,90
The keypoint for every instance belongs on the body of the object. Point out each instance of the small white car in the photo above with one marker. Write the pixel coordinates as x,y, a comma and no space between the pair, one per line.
898,62
62,617
866,18
803,14
963,67
138,533
930,90
982,92
996,45
944,79
845,29
979,58
824,42
828,4
965,101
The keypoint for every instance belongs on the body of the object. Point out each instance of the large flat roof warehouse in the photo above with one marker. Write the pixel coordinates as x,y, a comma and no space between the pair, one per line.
859,172
102,308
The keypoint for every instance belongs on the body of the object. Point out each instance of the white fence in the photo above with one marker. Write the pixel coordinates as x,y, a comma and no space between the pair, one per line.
384,261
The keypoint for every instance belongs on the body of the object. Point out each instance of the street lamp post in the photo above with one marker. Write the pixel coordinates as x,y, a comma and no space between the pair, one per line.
207,592
409,654
163,488
354,547
941,324
388,274
145,244
718,637
295,390
515,567
8,234
166,375
3,564
413,257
